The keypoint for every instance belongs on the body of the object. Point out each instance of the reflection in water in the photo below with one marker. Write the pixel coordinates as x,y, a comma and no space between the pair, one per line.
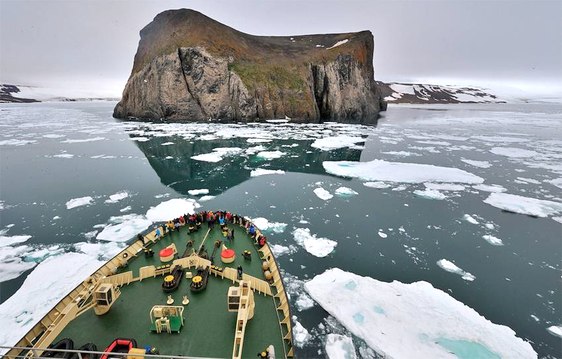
176,168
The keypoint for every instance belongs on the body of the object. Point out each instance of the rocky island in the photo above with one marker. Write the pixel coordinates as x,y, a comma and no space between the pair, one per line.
189,67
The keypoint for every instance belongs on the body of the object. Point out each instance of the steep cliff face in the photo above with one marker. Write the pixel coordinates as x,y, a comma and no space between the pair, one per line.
190,67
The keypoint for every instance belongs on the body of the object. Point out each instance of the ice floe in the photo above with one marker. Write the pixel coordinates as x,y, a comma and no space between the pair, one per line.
197,192
42,289
387,315
555,330
172,208
270,155
345,192
335,142
267,226
430,194
64,155
218,154
279,250
376,184
16,142
379,170
495,241
490,188
11,240
470,219
114,198
123,228
524,205
78,202
300,334
339,347
296,293
263,171
206,198
82,140
452,268
557,182
382,234
323,194
444,186
513,152
479,164
319,247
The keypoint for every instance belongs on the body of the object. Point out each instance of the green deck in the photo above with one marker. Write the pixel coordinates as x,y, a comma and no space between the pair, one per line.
208,328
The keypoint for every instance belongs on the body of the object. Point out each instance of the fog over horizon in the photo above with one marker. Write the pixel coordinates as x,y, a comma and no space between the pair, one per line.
88,46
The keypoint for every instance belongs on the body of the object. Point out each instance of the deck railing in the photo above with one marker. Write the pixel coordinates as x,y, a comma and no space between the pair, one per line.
25,353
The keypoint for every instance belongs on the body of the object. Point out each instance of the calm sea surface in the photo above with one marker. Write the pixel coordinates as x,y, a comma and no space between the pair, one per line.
52,153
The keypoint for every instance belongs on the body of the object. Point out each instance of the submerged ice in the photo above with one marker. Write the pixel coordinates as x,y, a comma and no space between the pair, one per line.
430,321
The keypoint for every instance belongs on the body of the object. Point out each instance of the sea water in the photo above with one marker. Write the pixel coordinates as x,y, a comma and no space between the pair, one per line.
427,194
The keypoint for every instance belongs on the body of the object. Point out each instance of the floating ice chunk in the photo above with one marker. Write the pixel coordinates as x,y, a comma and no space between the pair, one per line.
15,142
339,347
415,313
513,152
501,139
254,150
557,219
555,330
495,241
93,139
525,180
319,247
452,268
125,209
300,334
267,226
557,182
270,155
114,198
524,205
259,140
335,142
171,209
430,194
14,267
469,219
480,164
490,188
123,228
323,194
279,250
339,43
10,240
78,202
378,170
263,171
64,155
196,192
167,143
100,250
296,292
345,192
401,153
42,290
206,198
382,234
377,185
218,154
444,186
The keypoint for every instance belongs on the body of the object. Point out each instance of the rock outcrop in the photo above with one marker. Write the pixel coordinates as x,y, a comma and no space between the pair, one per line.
189,67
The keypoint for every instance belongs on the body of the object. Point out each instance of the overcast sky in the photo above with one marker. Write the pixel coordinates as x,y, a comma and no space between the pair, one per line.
91,44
